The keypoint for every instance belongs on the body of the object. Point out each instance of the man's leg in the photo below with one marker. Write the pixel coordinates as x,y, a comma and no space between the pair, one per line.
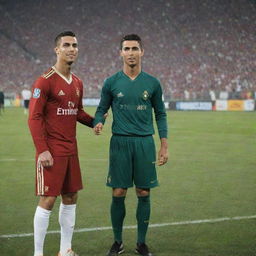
117,212
41,222
67,218
143,213
120,178
145,177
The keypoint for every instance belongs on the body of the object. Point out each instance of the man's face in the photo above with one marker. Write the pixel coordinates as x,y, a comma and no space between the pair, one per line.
67,49
131,53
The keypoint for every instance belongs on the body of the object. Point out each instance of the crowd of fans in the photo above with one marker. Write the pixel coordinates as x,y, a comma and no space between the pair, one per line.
198,49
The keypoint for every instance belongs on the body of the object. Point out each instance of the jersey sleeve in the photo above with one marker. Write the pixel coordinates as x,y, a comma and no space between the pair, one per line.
36,122
82,116
104,105
160,113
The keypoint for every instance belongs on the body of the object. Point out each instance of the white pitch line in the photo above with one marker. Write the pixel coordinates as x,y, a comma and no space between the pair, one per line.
188,222
81,159
16,160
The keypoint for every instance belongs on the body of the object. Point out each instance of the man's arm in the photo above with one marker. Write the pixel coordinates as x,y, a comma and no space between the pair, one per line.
160,116
160,113
36,121
104,105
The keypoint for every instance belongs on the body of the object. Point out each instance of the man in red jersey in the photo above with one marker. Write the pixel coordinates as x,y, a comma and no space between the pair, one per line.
55,108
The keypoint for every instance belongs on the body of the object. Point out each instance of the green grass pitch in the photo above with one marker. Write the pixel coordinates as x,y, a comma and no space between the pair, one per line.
211,174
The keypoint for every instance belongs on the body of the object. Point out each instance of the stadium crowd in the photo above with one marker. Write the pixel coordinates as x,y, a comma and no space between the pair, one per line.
199,49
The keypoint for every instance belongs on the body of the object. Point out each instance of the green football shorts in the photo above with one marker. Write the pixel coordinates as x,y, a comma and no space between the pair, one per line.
132,160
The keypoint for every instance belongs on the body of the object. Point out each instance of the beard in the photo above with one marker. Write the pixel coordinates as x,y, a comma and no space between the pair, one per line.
132,65
70,63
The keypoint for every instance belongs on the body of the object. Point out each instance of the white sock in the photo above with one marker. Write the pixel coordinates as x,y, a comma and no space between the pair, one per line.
41,222
67,218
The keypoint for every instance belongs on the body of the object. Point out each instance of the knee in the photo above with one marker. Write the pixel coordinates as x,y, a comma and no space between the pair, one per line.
69,198
47,202
142,192
119,192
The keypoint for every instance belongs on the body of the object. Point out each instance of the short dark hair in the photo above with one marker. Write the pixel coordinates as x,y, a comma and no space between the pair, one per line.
62,34
131,37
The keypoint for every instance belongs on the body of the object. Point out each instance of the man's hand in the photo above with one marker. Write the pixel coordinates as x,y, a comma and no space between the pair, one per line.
163,152
98,128
46,159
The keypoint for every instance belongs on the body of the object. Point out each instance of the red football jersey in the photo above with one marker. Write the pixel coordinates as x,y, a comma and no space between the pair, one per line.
54,109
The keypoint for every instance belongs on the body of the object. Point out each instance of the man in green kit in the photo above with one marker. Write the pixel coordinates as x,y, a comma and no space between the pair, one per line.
132,94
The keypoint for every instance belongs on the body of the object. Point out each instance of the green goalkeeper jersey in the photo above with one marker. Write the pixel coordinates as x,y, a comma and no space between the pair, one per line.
132,102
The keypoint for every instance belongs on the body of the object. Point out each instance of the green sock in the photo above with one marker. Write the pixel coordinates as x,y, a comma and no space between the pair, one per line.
143,214
117,212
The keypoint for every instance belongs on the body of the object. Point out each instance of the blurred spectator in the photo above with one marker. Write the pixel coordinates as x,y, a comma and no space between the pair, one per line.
213,98
1,102
26,95
186,94
212,95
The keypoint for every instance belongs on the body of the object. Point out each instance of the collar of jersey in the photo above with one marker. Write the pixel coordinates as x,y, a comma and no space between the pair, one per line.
132,80
69,81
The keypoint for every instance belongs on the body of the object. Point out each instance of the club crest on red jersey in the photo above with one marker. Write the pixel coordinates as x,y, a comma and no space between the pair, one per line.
71,104
36,93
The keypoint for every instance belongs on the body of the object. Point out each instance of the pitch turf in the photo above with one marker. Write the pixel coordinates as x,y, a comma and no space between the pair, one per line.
210,175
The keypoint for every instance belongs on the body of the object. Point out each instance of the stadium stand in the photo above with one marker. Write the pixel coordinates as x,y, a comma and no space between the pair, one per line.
194,47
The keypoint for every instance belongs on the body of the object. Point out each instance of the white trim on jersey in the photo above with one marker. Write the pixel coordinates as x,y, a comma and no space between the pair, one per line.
40,178
69,81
